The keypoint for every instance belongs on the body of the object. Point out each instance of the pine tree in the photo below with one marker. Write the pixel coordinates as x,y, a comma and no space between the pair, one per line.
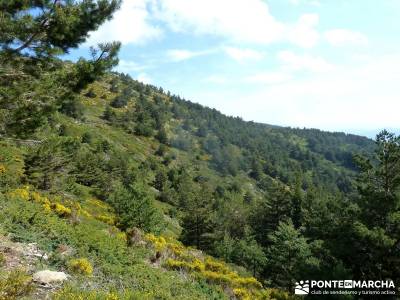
197,222
33,81
287,256
109,115
376,232
119,101
160,181
135,208
297,200
249,253
256,170
162,136
276,208
46,164
379,182
50,27
225,247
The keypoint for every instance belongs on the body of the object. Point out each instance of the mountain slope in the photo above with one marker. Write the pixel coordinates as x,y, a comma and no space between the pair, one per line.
135,156
112,189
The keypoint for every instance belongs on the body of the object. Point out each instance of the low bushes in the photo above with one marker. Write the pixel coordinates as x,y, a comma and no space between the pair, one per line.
80,266
194,262
15,284
105,247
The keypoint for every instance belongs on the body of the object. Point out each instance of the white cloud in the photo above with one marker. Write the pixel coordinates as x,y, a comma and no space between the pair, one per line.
340,37
217,79
130,24
361,57
290,64
295,62
276,77
315,3
180,54
308,2
304,33
177,55
243,54
240,20
364,96
127,66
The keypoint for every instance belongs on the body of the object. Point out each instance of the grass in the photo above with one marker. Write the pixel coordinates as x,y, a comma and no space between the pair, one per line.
103,266
114,264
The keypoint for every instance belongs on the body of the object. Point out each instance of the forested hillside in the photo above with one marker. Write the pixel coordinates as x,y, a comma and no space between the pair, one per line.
117,180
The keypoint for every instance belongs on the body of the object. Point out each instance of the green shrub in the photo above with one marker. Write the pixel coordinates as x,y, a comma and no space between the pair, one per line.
15,285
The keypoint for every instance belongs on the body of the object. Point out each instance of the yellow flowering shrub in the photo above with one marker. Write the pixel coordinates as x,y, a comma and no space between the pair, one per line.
207,268
197,265
26,194
36,197
217,278
151,238
2,169
159,243
110,220
242,294
216,266
167,244
47,206
98,203
60,209
176,264
80,266
248,282
112,296
21,193
86,213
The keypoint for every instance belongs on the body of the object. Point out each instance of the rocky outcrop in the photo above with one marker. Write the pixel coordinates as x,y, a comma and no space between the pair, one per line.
47,277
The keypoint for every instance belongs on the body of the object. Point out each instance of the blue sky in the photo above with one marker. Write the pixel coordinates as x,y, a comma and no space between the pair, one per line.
333,65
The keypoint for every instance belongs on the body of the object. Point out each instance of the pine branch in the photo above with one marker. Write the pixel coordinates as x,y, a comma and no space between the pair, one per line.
40,30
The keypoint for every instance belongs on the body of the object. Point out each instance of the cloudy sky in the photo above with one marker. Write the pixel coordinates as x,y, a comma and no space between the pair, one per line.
326,64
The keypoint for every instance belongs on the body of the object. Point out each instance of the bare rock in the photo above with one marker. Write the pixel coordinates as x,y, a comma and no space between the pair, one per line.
32,250
47,277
